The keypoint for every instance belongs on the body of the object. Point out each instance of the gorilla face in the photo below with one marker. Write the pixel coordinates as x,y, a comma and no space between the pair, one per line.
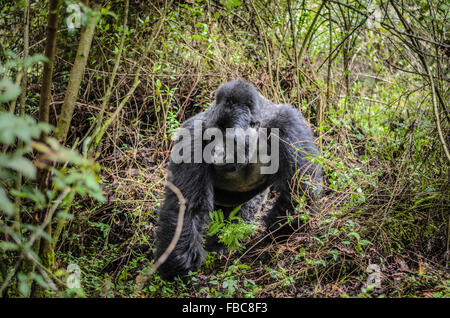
236,113
236,106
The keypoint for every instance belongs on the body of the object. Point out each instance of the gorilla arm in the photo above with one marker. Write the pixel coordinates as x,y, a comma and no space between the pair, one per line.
193,180
296,148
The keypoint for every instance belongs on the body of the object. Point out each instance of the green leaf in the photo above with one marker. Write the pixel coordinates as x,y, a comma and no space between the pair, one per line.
235,210
233,3
18,164
8,90
355,235
335,254
8,246
65,215
24,128
6,205
91,182
321,262
37,58
40,280
24,285
364,242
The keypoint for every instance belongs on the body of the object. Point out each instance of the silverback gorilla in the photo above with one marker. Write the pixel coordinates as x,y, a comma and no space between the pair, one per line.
227,172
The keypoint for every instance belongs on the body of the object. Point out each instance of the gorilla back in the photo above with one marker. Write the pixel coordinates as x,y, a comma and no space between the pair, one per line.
236,167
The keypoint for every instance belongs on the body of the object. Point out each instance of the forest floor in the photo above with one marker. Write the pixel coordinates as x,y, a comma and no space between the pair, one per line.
329,257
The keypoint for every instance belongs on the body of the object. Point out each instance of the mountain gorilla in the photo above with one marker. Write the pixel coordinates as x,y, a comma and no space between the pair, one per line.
217,179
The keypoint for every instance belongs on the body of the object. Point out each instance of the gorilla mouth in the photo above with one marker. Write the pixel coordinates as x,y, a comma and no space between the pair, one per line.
229,167
233,198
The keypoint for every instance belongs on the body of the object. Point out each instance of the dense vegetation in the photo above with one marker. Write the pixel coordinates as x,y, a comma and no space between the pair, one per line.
86,115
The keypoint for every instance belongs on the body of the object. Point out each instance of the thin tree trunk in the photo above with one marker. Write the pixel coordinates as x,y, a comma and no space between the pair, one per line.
330,50
23,98
47,75
263,36
76,75
424,63
294,47
116,67
45,247
346,56
45,93
97,135
108,122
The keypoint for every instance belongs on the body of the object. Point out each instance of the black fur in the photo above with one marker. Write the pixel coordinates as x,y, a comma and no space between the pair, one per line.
237,104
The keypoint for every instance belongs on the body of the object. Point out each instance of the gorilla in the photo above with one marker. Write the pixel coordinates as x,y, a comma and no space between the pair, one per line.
227,172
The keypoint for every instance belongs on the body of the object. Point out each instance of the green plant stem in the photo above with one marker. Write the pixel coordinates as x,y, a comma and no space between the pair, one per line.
308,33
46,252
294,47
109,90
98,136
421,57
62,221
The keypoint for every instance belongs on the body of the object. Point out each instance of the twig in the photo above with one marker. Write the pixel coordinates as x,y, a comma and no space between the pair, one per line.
109,90
421,57
30,243
436,113
175,237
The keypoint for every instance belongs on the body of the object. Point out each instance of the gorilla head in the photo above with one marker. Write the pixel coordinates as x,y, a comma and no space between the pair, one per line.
236,112
236,105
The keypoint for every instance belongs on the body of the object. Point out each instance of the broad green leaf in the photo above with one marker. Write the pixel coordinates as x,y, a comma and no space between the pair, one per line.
8,90
5,204
354,234
8,246
18,164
